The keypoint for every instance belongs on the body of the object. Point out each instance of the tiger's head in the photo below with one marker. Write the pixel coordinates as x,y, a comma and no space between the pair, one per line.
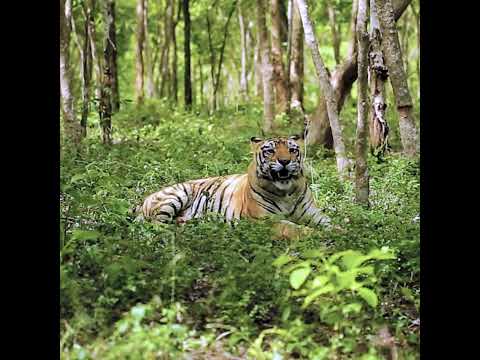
278,160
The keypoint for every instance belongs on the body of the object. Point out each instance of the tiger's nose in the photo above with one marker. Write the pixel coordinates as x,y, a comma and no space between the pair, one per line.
284,162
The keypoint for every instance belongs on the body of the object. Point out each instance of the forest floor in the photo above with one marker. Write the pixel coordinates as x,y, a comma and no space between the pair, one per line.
210,291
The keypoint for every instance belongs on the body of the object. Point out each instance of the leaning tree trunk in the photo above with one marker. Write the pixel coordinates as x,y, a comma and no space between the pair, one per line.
279,77
243,45
267,69
187,78
393,59
378,76
343,162
361,168
71,127
139,65
296,64
342,81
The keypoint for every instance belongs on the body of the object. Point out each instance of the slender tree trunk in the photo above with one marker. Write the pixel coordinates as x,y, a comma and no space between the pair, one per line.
187,78
342,81
332,20
343,162
201,81
150,86
296,64
257,63
378,76
279,77
222,52
165,59
267,68
139,65
393,59
96,58
212,62
112,55
71,127
417,31
243,45
108,94
175,60
361,168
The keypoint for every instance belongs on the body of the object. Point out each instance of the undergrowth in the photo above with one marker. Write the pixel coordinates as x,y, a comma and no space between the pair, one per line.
142,291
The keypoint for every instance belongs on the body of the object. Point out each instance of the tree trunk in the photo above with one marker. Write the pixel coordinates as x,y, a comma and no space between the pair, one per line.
267,69
334,29
243,45
201,81
296,64
150,86
393,59
111,61
378,76
107,96
257,64
342,81
165,59
187,78
96,59
361,168
139,66
343,162
174,60
71,127
279,77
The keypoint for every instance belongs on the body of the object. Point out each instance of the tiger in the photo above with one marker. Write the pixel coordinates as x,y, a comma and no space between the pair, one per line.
274,184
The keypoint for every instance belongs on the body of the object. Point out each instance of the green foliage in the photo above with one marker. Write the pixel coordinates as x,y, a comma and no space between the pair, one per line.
221,289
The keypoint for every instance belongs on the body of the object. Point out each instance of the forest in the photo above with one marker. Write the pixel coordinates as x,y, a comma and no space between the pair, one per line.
160,92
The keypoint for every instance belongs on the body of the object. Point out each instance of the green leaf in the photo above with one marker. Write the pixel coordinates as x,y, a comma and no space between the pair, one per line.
78,177
319,280
282,260
346,279
352,259
85,235
326,289
298,276
368,295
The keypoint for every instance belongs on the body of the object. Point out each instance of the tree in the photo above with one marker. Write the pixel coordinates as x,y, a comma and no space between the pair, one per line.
92,36
296,64
343,162
243,45
111,59
187,78
71,127
393,59
361,168
342,80
378,75
279,77
335,29
150,85
267,69
139,65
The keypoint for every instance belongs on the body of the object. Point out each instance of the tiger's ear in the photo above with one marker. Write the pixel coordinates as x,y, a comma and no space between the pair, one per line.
295,137
254,142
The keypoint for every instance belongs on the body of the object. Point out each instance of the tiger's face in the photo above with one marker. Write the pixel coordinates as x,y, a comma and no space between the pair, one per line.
278,159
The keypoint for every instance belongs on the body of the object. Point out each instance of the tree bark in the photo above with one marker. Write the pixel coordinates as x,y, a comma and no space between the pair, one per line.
139,65
96,59
361,168
342,81
393,59
150,86
343,162
296,64
174,60
378,76
165,58
267,69
71,127
187,76
279,77
257,64
111,61
243,45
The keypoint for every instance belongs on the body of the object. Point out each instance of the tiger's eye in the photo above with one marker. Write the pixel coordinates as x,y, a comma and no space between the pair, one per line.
294,151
